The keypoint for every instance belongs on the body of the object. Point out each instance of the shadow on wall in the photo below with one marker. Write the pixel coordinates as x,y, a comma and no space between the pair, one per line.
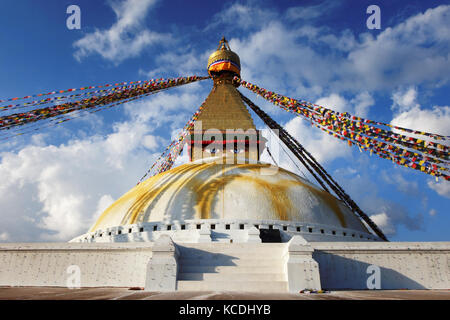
197,262
219,235
337,272
138,237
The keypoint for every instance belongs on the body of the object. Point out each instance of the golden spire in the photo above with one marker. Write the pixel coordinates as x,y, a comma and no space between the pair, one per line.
225,127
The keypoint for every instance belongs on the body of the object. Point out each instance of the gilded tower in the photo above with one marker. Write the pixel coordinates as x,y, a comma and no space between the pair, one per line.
225,127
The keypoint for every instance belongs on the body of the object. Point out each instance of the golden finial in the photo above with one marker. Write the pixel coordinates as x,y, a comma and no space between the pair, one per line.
223,60
223,44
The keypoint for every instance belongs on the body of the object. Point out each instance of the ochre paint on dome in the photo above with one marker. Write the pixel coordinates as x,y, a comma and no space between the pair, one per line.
145,199
276,192
204,192
140,193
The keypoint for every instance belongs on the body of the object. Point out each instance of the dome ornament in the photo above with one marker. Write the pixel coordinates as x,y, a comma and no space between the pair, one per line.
223,61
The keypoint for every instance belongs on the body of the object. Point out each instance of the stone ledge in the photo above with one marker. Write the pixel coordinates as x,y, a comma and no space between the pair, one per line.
372,247
62,246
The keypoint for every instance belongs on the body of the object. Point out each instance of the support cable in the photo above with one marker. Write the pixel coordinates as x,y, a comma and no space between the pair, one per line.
270,154
274,126
310,163
290,158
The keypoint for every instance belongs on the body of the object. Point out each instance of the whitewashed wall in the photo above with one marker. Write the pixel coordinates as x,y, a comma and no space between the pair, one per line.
403,265
342,265
39,264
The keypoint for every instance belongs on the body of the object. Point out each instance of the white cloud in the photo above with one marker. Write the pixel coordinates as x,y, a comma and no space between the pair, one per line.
408,113
310,12
389,216
240,16
323,147
362,102
67,186
410,53
344,42
273,58
442,187
174,107
405,100
126,38
432,212
150,142
178,62
284,56
364,190
433,120
54,193
334,102
401,184
383,221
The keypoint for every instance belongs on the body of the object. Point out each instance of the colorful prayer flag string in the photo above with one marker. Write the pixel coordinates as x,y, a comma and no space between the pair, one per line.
426,156
19,119
82,88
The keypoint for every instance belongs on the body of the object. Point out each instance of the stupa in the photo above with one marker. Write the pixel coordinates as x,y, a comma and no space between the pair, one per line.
226,221
225,188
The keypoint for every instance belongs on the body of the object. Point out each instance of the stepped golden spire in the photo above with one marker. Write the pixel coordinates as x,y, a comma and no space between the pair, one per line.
227,127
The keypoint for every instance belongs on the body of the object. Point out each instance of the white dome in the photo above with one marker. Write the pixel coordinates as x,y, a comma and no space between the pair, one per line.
213,190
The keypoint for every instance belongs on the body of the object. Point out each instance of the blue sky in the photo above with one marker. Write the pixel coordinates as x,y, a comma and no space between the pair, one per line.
56,182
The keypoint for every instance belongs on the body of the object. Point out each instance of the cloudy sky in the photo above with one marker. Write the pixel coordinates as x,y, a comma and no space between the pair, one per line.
55,182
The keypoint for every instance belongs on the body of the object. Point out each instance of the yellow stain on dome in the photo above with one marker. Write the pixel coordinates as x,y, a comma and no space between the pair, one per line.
177,178
276,192
206,190
125,197
147,191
